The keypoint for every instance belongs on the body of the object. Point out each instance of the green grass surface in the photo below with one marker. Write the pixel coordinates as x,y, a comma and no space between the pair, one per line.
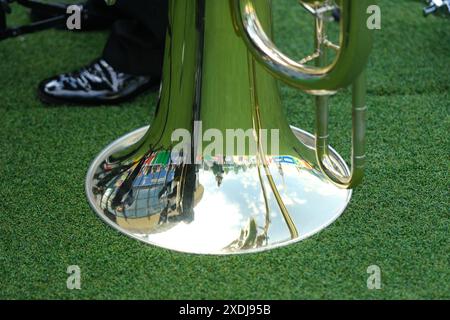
398,219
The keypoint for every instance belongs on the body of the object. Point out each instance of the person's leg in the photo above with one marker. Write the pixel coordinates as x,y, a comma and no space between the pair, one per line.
131,62
99,15
136,43
96,15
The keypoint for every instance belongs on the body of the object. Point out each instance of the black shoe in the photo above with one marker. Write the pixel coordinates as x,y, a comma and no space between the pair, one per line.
95,84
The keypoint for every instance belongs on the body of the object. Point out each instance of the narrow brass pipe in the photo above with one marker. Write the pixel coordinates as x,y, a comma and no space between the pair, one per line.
324,160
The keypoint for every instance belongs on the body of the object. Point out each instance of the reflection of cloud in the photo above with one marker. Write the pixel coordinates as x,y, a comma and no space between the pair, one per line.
310,182
215,223
244,188
293,199
225,210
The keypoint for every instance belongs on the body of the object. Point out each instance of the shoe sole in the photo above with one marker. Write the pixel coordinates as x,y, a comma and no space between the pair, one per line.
54,101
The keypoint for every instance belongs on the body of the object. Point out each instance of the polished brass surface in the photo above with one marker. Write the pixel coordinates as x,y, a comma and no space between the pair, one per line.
280,185
354,47
235,209
322,79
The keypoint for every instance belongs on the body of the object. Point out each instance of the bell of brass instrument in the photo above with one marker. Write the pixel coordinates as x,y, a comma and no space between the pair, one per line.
246,181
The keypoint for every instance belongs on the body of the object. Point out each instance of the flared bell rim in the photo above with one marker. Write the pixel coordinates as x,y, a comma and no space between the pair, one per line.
135,135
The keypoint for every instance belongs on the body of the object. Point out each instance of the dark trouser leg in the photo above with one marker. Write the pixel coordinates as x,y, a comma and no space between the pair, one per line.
100,16
136,43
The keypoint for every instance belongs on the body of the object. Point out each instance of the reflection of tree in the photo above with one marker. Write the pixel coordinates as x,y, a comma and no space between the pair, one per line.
221,167
154,193
218,172
249,237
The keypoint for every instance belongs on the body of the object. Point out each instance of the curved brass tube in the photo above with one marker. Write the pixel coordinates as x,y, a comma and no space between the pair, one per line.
358,138
355,47
348,68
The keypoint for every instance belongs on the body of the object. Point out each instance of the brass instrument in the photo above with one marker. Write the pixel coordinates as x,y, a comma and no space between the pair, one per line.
277,186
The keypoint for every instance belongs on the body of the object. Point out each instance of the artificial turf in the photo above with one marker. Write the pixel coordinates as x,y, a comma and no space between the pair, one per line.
398,219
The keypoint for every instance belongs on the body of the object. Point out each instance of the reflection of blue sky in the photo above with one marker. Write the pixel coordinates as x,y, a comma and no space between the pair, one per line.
224,211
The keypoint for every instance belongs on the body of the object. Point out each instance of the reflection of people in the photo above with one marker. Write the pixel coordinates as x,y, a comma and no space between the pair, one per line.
132,58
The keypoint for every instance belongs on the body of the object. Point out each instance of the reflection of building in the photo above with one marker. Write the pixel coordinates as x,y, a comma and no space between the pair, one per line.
299,163
149,195
154,189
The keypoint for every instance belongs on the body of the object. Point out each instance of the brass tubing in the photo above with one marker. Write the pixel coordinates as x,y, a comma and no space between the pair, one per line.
355,46
358,137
